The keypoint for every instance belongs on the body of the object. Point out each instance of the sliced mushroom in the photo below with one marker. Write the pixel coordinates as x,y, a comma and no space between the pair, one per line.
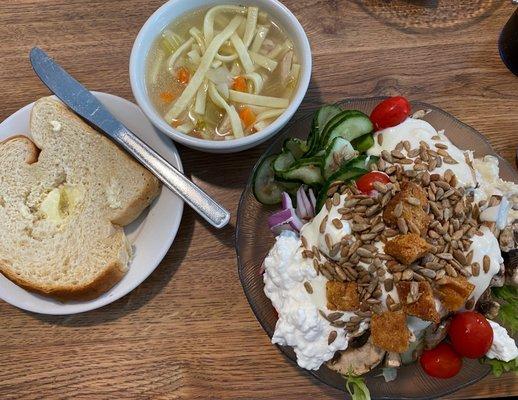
357,361
498,280
357,342
511,267
435,334
487,306
286,64
392,360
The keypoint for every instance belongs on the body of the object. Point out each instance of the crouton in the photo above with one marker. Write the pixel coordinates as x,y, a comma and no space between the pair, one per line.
342,296
454,292
410,212
390,332
407,248
419,304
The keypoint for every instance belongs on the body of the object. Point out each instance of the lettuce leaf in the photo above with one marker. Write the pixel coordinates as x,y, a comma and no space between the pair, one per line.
499,367
357,388
508,298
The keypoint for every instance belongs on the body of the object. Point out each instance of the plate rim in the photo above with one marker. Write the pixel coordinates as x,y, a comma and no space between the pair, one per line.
89,305
278,139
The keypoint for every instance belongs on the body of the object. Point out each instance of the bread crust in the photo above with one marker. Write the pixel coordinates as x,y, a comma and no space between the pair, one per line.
33,153
108,278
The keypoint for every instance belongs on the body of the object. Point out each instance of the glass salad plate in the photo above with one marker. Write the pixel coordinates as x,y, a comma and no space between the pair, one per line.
254,239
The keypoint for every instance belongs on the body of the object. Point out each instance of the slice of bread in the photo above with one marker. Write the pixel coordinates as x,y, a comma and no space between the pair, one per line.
64,197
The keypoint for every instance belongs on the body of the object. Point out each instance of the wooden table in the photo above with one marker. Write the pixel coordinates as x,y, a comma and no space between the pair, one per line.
188,332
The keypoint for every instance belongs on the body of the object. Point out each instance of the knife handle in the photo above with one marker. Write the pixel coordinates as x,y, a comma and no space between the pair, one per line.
173,179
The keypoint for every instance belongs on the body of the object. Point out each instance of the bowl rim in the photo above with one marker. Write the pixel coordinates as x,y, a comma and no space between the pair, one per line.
136,82
285,350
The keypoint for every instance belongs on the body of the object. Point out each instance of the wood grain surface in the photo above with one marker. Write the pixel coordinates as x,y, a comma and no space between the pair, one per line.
188,332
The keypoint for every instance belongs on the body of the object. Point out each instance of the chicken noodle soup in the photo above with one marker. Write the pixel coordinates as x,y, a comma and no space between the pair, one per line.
222,73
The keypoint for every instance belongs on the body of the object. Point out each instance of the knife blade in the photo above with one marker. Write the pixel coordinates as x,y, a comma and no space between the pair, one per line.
86,105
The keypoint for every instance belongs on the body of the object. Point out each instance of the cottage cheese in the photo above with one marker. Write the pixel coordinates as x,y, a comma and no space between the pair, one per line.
503,347
299,325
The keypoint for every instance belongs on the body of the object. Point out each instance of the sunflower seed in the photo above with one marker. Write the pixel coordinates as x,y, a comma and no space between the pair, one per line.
368,236
469,257
475,269
450,270
359,227
443,153
403,227
351,202
398,209
380,138
332,337
441,146
316,266
363,252
460,257
397,154
432,164
337,223
326,273
334,316
304,241
486,263
413,228
428,273
329,204
338,324
308,287
336,199
407,274
323,224
372,210
445,256
387,156
433,265
307,254
450,160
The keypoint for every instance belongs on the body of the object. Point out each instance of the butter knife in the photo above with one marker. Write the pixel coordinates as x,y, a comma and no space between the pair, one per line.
86,105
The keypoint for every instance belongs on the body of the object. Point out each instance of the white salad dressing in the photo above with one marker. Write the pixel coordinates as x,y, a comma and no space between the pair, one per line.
503,347
416,130
311,231
485,245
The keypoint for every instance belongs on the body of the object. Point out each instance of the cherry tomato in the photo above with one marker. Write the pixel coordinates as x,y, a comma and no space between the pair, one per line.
470,334
390,112
441,362
366,182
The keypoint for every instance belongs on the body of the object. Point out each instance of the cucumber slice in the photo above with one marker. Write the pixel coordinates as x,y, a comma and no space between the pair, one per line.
306,170
266,190
338,153
283,162
322,116
297,147
363,143
349,125
346,173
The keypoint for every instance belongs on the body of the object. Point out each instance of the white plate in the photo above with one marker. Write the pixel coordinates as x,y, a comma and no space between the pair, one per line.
151,234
